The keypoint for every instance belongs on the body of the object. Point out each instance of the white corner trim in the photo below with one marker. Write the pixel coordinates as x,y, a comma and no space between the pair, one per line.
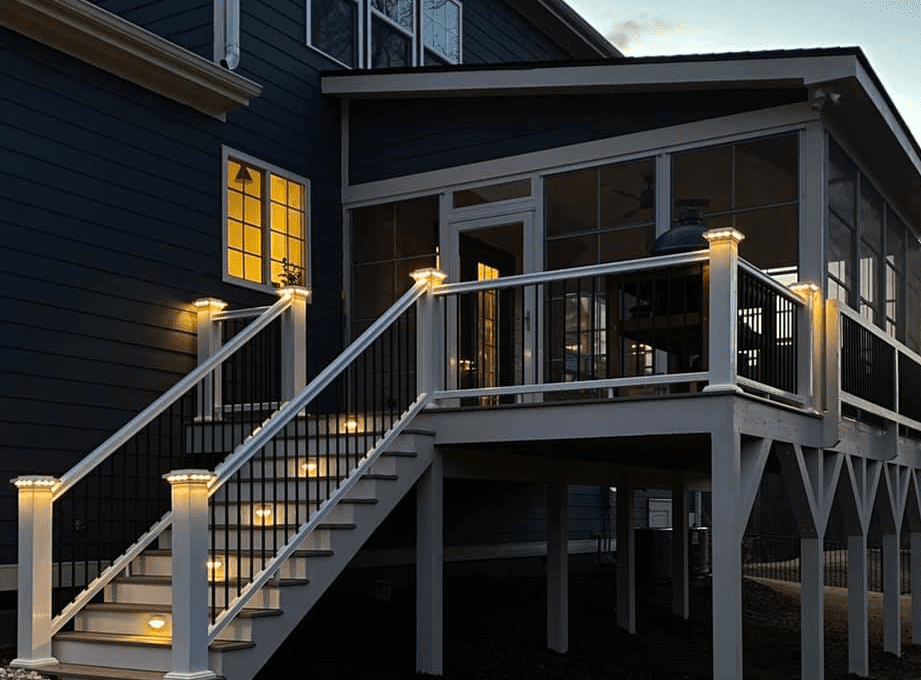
113,44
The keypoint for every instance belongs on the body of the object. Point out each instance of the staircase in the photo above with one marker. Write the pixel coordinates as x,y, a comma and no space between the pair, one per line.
113,638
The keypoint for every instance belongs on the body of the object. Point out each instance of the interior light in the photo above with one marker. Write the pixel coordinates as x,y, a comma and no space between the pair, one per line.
157,621
351,424
214,570
309,468
264,513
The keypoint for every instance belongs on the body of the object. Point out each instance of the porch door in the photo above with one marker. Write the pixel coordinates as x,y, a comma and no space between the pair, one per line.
493,332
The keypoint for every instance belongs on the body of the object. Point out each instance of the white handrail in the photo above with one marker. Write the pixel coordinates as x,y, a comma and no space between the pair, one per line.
773,283
133,426
626,266
290,409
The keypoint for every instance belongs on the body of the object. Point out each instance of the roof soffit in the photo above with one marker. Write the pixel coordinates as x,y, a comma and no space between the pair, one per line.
115,45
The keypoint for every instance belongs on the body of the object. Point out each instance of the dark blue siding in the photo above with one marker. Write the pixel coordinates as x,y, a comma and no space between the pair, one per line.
389,138
494,32
185,22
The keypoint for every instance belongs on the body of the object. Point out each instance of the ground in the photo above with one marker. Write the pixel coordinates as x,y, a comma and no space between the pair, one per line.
495,629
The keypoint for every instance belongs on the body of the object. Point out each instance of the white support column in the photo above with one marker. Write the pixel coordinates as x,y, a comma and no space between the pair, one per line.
812,607
892,616
209,342
428,349
190,574
626,559
33,618
858,646
680,567
294,341
558,568
915,588
724,305
810,344
430,569
727,555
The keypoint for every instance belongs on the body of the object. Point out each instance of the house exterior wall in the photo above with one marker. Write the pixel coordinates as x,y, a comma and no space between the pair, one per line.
184,22
390,138
496,33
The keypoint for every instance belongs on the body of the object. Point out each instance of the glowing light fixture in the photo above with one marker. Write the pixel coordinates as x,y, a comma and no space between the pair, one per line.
36,481
264,514
309,468
157,621
215,570
351,424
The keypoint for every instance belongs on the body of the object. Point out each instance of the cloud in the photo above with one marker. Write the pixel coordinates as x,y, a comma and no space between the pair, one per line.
628,32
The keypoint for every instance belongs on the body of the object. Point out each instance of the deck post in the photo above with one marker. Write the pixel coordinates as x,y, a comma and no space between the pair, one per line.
915,587
33,617
189,542
892,618
727,554
428,350
724,305
858,647
626,560
209,342
558,568
430,569
680,567
812,607
294,341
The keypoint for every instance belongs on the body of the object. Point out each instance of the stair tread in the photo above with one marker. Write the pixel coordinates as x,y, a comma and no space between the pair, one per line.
246,613
145,640
399,453
164,580
377,475
76,670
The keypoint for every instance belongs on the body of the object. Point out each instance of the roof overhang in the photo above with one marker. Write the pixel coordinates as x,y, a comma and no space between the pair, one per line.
113,44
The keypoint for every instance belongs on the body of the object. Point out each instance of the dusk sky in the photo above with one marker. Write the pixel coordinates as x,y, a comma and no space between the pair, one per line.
888,31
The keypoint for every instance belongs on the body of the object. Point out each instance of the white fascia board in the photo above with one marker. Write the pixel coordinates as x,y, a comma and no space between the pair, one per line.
113,44
881,103
726,73
639,144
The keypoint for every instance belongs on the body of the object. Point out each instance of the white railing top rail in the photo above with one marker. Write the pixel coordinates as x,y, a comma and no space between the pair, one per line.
626,266
770,281
292,408
133,426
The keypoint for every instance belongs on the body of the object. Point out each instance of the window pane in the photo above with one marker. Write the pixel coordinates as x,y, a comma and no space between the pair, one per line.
235,263
252,240
295,221
871,216
572,252
399,11
432,59
235,205
334,29
252,268
492,193
234,234
869,282
771,237
703,173
416,227
840,249
765,172
571,202
627,194
842,183
441,28
627,244
295,195
279,215
895,241
279,189
389,47
253,211
372,233
372,290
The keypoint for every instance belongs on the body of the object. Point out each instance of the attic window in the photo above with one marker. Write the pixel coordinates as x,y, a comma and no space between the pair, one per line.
386,33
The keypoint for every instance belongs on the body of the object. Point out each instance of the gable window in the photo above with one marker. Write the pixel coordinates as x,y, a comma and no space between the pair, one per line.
266,225
386,33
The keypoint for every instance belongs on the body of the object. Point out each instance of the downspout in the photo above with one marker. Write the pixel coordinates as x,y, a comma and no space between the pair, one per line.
230,33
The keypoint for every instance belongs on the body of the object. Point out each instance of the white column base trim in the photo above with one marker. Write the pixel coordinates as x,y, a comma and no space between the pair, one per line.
723,389
33,663
198,675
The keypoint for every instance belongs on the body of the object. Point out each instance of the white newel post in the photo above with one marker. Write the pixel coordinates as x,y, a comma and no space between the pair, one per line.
209,342
33,618
294,341
809,343
428,349
190,574
724,306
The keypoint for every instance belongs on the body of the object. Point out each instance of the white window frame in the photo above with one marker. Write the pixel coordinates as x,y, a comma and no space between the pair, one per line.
227,154
367,13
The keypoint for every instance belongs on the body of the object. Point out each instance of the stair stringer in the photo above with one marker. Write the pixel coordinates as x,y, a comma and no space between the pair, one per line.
269,633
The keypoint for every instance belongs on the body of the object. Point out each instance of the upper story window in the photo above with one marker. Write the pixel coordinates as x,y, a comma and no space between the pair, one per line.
386,33
266,224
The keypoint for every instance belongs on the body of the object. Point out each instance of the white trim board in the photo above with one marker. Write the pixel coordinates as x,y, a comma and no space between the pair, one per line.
644,144
91,34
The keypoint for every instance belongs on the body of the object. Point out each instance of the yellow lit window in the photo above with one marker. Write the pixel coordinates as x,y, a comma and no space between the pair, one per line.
266,229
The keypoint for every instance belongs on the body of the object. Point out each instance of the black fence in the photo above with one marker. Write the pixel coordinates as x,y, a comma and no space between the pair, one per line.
766,334
867,364
778,557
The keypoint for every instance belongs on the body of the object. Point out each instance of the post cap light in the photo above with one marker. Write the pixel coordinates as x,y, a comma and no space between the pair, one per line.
157,621
212,304
294,291
430,275
804,289
189,476
724,234
35,482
